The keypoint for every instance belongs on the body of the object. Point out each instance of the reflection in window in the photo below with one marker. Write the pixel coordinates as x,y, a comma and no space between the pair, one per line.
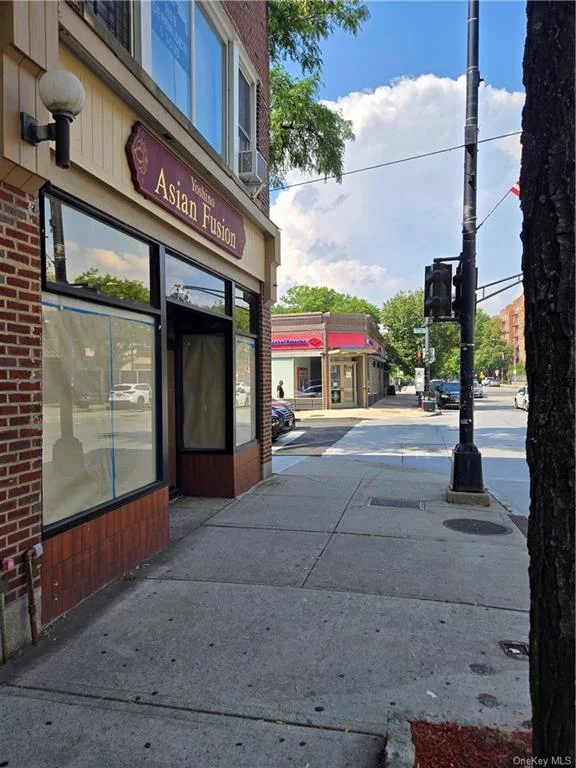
193,286
84,252
97,445
245,390
203,387
208,80
245,311
171,60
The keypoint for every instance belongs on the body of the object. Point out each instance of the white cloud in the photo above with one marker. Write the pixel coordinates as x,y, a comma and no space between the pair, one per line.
373,234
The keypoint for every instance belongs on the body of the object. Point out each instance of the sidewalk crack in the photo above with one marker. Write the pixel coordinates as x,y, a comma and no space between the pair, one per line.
310,572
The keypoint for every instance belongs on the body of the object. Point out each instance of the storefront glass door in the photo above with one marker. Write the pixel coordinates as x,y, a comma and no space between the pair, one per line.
343,385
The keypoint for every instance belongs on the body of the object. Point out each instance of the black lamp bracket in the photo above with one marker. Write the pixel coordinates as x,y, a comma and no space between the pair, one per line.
33,133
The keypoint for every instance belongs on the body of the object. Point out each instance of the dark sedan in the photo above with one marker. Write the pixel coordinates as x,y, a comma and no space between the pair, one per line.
450,394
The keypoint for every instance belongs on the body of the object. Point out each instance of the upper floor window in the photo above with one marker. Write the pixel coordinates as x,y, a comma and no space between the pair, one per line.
190,50
187,58
116,16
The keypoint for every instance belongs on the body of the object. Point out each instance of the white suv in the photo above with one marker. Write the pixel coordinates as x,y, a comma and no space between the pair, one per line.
138,395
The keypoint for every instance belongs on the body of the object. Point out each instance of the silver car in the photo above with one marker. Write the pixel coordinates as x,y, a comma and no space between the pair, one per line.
478,389
521,399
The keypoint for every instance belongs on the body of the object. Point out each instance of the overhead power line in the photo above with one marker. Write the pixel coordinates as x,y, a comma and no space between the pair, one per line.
393,162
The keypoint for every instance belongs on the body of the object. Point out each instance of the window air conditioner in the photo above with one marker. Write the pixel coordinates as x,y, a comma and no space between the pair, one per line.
252,167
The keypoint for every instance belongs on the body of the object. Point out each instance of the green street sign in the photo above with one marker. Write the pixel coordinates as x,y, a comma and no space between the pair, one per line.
419,330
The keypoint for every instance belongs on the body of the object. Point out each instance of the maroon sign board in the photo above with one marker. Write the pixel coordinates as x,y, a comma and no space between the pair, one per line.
159,175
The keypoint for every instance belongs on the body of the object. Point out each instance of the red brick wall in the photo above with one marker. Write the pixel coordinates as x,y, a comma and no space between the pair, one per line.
20,381
247,469
250,19
85,558
265,370
220,474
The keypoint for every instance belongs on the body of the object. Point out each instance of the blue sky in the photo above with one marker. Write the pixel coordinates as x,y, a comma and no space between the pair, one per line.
416,38
400,82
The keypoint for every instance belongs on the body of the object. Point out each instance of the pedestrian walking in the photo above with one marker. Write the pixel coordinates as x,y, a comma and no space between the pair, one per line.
280,390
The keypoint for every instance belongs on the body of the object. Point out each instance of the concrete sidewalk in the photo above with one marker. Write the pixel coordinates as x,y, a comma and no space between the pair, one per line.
403,404
300,625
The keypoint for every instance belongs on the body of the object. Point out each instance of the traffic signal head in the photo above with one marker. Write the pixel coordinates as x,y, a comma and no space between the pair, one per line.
438,291
457,303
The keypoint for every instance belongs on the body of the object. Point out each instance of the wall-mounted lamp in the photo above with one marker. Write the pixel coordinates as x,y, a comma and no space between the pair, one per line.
63,96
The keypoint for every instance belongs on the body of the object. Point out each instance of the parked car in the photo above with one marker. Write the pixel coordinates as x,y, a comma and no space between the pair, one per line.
478,389
277,423
521,399
490,381
286,412
242,395
450,394
135,395
314,390
86,399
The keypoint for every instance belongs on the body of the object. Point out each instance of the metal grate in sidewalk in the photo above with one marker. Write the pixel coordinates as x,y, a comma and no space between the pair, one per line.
378,501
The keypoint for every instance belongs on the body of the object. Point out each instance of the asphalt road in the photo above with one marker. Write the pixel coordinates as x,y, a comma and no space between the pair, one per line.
313,436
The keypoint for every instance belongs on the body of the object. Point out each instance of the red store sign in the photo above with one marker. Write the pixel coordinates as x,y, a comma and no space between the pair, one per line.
289,341
160,176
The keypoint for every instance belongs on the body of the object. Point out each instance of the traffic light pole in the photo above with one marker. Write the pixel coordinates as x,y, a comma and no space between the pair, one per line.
466,458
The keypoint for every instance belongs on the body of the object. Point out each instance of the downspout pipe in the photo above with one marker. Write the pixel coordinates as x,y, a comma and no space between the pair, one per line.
28,557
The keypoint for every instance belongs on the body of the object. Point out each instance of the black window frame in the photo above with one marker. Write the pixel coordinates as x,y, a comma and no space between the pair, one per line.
156,310
252,334
118,18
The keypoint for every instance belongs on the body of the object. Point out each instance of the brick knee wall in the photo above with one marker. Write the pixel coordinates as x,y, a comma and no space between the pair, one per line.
20,383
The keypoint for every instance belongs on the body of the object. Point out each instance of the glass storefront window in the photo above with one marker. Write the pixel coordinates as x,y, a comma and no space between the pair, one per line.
245,311
245,390
98,405
82,252
193,286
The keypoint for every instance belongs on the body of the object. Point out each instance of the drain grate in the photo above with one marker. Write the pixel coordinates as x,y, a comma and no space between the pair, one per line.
378,501
481,527
514,650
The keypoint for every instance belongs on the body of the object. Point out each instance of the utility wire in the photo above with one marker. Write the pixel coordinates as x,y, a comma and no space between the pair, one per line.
392,162
493,209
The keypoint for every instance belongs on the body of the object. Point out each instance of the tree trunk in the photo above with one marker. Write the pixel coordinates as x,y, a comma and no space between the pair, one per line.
547,199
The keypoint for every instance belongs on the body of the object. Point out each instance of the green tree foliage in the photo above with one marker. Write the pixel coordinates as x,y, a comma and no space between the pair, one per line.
305,134
400,315
405,311
304,298
111,285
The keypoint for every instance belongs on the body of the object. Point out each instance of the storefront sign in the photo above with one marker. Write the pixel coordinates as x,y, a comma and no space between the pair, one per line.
296,341
347,341
160,176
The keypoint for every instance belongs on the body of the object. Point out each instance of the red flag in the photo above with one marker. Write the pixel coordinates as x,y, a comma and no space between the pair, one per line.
515,189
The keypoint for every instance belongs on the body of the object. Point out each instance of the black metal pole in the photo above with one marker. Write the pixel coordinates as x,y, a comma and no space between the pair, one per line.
467,460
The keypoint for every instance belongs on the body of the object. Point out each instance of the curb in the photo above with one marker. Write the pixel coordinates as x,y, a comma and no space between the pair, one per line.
399,750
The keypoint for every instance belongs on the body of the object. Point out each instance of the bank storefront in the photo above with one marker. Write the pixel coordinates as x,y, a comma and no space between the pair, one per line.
327,360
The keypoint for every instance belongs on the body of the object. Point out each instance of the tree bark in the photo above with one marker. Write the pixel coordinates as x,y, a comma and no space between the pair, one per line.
547,200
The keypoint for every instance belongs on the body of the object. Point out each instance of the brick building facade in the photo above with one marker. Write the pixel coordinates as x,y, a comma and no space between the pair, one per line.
134,318
512,318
